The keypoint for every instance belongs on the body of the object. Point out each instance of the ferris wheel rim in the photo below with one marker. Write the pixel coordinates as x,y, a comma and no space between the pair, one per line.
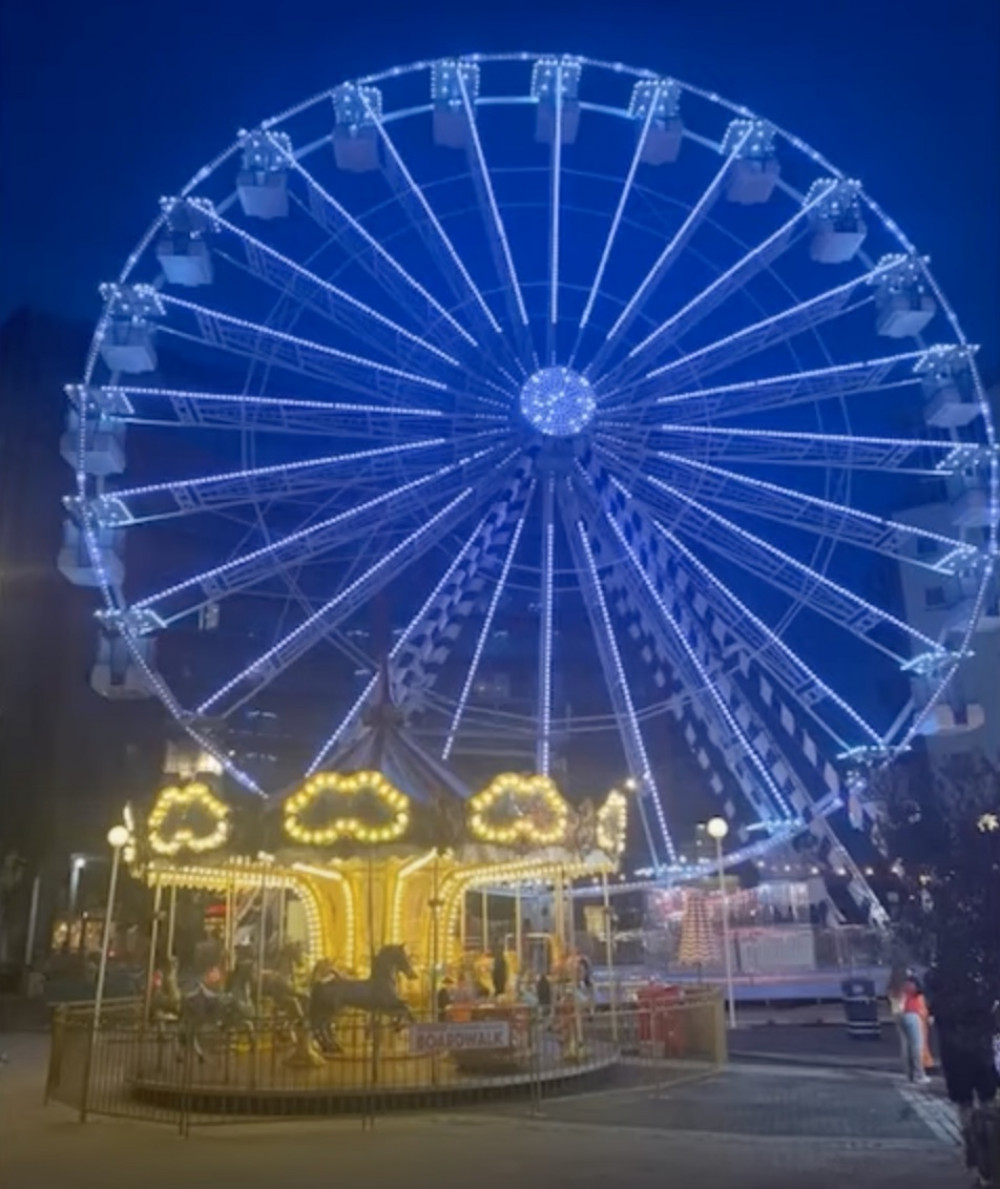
289,114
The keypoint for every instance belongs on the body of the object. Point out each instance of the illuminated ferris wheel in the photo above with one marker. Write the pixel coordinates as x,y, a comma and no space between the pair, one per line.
548,349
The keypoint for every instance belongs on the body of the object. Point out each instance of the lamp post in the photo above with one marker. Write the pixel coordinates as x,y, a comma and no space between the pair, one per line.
77,865
118,837
718,828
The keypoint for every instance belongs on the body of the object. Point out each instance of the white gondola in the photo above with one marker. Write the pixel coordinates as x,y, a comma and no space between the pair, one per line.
904,315
838,227
355,136
185,259
95,444
116,674
664,129
755,169
262,183
548,77
84,569
904,305
128,347
450,118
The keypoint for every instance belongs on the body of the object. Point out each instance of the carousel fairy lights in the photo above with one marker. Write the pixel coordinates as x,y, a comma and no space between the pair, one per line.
372,866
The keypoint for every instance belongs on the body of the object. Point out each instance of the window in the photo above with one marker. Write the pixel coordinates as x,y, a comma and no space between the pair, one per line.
934,597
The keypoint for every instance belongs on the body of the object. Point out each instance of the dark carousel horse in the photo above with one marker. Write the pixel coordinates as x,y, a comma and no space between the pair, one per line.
376,995
216,1004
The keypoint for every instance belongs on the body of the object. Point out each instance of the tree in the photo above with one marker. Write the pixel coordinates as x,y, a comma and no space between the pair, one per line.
941,827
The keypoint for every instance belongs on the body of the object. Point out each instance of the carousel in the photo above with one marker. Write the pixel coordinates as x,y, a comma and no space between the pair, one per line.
380,925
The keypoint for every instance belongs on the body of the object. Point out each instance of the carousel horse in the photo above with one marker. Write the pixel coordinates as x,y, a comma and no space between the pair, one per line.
216,1004
376,995
165,1000
288,1003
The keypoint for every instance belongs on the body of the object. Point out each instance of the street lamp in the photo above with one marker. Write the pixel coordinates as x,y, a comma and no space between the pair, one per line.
118,838
76,868
718,828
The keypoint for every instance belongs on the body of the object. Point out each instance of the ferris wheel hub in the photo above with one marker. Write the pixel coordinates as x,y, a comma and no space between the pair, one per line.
558,402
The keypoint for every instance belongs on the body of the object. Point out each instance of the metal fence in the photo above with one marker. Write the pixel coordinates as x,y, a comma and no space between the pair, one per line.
269,1068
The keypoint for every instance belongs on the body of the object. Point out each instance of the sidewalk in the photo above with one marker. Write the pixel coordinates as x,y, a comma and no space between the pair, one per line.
817,1044
761,1127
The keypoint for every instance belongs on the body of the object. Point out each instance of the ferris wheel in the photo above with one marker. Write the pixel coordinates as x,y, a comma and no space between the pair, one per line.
571,363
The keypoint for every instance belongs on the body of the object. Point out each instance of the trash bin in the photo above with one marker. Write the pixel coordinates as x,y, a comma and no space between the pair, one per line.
860,1008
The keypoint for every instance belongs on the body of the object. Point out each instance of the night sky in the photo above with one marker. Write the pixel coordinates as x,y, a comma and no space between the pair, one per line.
107,105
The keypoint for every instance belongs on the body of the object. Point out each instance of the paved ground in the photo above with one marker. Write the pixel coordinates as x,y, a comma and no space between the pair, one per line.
822,1044
748,1128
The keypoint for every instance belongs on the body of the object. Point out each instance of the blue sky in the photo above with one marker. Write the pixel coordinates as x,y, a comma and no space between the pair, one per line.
108,104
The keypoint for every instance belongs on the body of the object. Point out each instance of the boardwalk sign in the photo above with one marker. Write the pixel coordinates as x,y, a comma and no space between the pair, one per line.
459,1038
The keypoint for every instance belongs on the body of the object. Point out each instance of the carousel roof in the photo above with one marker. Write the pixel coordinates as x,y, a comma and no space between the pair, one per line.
383,744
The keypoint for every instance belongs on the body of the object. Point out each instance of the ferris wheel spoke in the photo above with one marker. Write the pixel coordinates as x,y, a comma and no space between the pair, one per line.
290,278
588,309
469,563
767,648
499,242
824,517
543,747
772,652
743,397
769,332
276,347
757,556
272,663
184,409
309,542
484,632
684,655
664,262
760,257
381,265
441,248
614,673
793,448
555,198
282,481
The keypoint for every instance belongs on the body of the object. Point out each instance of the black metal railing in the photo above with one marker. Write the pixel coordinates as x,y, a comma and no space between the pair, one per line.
269,1067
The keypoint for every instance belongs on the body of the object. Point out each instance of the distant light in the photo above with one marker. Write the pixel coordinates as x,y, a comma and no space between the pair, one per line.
558,402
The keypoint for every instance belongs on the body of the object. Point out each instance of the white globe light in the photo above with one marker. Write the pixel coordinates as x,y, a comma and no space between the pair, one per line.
717,828
117,837
558,402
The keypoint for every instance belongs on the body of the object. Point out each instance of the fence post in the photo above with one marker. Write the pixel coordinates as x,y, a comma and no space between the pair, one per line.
721,1033
187,1067
57,1043
87,1067
535,1097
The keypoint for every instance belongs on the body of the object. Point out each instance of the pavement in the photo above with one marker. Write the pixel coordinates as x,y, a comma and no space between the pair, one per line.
816,1044
747,1127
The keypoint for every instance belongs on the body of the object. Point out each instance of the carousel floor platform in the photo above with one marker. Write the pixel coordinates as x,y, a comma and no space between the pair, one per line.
265,1084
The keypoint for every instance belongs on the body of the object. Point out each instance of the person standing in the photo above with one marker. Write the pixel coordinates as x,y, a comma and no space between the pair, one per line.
913,1021
896,995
